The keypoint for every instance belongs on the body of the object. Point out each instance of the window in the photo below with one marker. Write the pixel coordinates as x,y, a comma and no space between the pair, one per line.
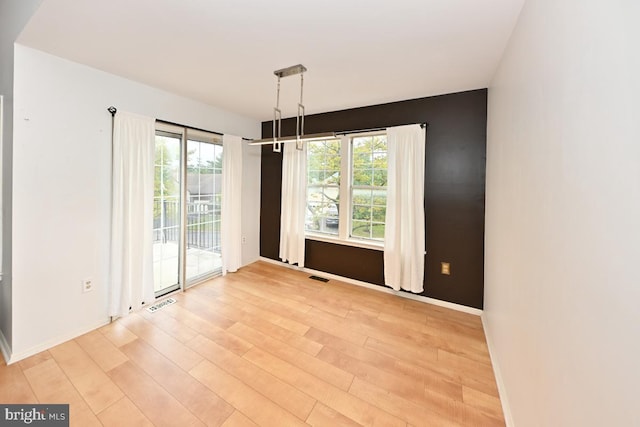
346,188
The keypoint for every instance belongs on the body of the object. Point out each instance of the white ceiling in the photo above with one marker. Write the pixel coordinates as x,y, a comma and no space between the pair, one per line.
223,53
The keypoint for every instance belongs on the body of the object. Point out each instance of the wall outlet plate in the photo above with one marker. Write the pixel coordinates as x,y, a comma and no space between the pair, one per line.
87,285
445,268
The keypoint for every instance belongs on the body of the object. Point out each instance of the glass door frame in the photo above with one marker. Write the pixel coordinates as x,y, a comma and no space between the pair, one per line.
205,137
177,131
183,132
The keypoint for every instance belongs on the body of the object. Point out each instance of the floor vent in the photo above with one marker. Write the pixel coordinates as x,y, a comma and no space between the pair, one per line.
162,304
318,278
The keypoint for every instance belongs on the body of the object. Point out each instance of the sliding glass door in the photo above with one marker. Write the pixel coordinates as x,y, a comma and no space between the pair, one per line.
204,183
167,213
186,207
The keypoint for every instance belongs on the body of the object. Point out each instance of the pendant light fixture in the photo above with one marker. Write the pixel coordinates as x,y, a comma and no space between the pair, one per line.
300,137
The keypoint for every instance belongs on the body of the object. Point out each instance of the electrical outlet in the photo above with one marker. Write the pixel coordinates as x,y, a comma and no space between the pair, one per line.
445,268
244,239
87,285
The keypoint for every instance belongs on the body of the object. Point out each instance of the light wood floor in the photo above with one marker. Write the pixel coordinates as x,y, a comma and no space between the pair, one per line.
268,346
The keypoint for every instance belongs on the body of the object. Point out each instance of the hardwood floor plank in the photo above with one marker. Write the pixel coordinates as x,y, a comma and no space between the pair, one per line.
170,347
411,412
209,330
400,385
333,397
202,402
198,304
34,360
238,419
323,416
459,411
430,379
170,325
288,397
276,319
466,365
117,333
153,400
123,413
254,405
101,350
403,350
313,365
331,324
434,370
14,387
488,404
88,378
255,336
51,385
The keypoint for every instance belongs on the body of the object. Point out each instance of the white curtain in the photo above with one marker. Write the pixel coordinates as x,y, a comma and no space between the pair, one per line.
131,262
294,203
404,237
231,225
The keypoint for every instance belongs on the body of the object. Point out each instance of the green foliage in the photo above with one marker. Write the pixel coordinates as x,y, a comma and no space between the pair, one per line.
370,161
166,172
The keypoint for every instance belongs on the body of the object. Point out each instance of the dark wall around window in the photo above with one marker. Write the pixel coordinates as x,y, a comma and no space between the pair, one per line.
454,193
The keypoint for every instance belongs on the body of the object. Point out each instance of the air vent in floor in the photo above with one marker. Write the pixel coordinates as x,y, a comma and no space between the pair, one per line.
162,304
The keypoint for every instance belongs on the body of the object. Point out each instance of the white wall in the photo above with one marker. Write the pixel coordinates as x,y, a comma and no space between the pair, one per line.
562,283
13,17
61,188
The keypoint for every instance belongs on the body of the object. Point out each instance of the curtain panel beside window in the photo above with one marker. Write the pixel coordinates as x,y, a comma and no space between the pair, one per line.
404,242
131,254
231,225
293,205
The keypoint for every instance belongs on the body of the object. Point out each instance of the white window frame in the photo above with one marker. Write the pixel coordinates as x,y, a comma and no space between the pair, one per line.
344,218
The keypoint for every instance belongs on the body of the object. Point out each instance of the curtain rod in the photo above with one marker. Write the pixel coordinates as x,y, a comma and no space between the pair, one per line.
347,132
113,111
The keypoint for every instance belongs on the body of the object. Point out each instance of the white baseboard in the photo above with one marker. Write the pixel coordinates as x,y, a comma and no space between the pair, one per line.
5,348
54,342
504,401
379,288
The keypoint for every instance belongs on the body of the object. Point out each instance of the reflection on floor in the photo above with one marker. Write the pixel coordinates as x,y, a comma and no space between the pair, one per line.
165,263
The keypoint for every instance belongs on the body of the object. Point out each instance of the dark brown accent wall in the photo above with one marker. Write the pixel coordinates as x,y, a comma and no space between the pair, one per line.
454,193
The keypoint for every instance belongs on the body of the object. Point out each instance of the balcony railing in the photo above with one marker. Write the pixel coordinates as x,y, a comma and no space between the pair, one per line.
203,224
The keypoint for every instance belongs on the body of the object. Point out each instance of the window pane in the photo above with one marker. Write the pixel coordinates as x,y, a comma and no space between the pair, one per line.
323,186
378,214
332,177
361,197
362,212
377,231
380,177
166,211
204,178
380,197
369,181
360,229
362,176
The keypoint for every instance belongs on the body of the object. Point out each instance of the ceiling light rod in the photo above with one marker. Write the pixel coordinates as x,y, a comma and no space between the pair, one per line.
277,113
300,137
305,138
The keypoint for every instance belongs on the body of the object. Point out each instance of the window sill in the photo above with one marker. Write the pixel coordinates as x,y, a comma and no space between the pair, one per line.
378,246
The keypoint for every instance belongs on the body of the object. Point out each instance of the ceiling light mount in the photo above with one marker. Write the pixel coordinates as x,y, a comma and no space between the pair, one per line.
290,71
